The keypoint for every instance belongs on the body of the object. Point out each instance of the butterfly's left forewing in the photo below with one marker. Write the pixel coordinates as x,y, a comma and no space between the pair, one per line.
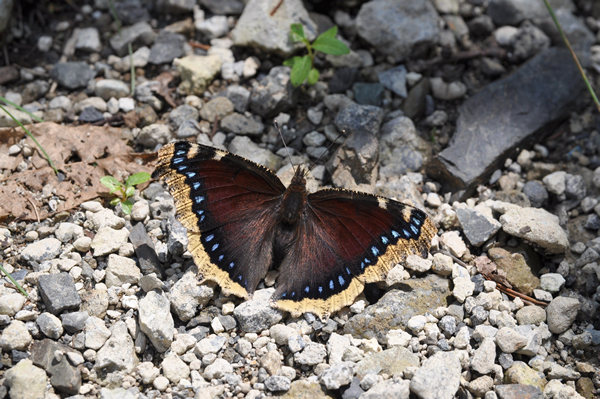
347,239
226,202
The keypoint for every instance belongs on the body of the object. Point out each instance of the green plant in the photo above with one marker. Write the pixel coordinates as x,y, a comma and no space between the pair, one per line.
303,66
126,190
11,278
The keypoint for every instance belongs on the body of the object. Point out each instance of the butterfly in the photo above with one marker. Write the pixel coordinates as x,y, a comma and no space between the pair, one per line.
242,221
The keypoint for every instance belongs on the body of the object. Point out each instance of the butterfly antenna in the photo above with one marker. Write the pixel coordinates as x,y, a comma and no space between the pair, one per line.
284,145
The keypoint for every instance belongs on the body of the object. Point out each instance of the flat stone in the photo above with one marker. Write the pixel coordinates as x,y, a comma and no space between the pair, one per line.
107,88
39,251
197,71
416,297
395,28
477,227
53,357
535,225
187,295
108,240
121,270
72,75
518,272
438,377
140,33
118,353
546,87
391,361
144,249
518,391
521,373
58,292
312,354
304,389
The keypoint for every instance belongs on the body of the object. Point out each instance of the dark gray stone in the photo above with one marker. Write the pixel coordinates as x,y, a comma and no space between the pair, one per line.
353,391
368,93
520,109
34,90
72,75
575,186
415,103
536,192
241,124
360,153
183,113
139,34
394,79
74,322
238,95
476,227
221,7
342,80
518,391
131,11
63,377
90,115
58,292
144,247
397,28
511,12
592,222
273,94
166,48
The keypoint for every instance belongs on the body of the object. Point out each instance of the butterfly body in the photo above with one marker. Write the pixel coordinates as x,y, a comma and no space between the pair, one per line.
242,221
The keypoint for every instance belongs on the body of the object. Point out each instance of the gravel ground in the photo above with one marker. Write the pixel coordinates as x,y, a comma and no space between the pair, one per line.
115,309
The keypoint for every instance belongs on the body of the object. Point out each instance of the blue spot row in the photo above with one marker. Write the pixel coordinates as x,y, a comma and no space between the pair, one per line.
178,160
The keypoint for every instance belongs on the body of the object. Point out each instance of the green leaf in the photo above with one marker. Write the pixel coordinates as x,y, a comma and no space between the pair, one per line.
331,32
111,183
129,191
313,76
291,61
115,201
138,178
330,45
300,70
126,206
297,32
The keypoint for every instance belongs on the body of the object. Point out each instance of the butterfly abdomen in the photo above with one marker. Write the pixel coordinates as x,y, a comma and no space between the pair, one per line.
293,202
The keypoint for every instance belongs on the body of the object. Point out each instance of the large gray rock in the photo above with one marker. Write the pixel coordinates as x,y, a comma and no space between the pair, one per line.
438,377
395,28
257,314
561,313
257,28
396,307
520,109
156,321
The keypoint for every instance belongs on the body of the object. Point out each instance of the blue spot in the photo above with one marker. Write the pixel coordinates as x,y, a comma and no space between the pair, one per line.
362,265
209,237
414,229
341,280
348,271
395,234
245,283
221,257
375,250
384,240
191,174
330,284
202,218
367,261
293,294
231,265
182,167
320,290
214,247
406,233
306,289
417,221
239,277
178,160
199,199
284,295
196,185
200,211
180,152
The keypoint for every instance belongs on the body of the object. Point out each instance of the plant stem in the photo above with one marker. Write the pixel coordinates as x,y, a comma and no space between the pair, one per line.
7,274
568,44
32,138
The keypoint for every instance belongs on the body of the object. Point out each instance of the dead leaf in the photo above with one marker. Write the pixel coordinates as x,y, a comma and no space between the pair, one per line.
84,153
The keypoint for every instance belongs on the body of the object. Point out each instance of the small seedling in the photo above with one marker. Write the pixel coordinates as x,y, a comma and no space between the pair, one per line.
124,191
303,66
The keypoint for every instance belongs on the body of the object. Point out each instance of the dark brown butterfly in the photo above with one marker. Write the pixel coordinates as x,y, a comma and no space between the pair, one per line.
242,221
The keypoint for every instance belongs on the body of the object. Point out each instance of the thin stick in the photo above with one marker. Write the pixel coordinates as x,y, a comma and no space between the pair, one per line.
37,215
524,297
274,10
284,145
